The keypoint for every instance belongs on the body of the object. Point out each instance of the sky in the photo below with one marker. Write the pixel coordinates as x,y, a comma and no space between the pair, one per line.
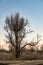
29,9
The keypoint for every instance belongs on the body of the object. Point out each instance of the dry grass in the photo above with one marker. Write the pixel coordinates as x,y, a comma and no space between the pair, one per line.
23,62
7,58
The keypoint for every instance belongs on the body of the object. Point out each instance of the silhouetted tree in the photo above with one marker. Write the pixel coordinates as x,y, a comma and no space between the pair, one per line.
16,28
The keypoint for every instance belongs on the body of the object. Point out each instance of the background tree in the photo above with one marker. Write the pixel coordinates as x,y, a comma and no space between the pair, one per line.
34,43
16,28
41,48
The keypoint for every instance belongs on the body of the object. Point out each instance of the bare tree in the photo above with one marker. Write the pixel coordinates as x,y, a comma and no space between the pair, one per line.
41,47
38,38
34,43
16,28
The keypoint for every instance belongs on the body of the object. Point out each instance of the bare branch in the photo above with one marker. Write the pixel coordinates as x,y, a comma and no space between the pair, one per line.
24,46
38,38
35,43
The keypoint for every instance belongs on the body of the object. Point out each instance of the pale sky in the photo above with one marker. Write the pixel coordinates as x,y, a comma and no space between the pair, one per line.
29,9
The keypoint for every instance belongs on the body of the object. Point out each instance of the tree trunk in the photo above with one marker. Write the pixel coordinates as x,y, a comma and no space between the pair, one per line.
17,53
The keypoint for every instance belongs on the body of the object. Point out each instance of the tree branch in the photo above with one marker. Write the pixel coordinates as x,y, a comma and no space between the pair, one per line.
24,46
10,38
24,36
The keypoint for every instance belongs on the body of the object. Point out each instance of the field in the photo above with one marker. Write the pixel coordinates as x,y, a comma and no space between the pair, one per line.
23,62
7,58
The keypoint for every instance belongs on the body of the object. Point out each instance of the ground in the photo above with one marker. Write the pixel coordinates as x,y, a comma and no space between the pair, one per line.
23,62
7,58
